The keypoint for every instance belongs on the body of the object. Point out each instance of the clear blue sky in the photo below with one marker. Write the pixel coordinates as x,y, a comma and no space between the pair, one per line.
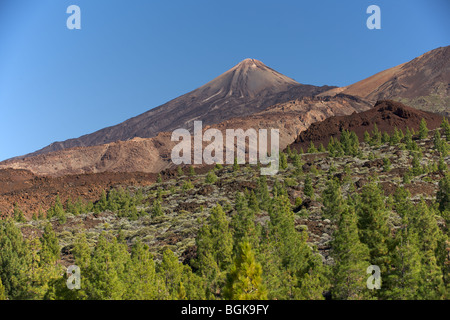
131,56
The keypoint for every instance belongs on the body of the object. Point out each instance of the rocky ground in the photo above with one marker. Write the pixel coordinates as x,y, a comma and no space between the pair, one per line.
188,198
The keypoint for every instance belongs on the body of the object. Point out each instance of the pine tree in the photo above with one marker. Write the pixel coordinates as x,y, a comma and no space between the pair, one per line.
187,185
221,236
312,148
2,291
214,249
402,203
79,207
157,209
105,278
41,274
367,137
289,151
416,167
386,165
308,188
18,214
345,141
301,267
439,144
332,200
443,194
50,251
14,261
352,259
335,148
193,285
41,215
206,263
283,161
235,165
171,272
354,144
211,177
385,138
244,281
446,128
262,193
395,138
243,223
143,283
423,129
253,202
101,205
430,237
376,136
373,228
403,280
437,141
298,165
70,207
442,166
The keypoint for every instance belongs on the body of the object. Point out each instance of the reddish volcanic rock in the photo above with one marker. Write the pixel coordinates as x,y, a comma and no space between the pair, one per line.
386,114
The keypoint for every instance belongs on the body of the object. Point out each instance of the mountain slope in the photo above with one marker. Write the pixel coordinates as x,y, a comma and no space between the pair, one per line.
386,114
154,154
423,83
248,87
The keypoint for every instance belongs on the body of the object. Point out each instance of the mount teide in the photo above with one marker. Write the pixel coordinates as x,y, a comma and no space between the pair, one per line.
248,87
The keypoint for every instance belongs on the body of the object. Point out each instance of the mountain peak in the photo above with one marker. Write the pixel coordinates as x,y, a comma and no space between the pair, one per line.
249,78
248,87
250,62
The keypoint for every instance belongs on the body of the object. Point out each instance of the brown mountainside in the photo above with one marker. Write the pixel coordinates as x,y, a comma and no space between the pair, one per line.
386,114
154,154
423,83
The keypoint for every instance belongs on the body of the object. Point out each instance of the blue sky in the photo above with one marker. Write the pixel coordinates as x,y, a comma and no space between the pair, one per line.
131,56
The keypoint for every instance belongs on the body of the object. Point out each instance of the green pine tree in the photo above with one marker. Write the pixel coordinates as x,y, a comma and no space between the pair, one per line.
332,200
211,177
423,129
352,259
106,277
15,260
446,128
283,161
143,283
308,188
312,148
18,214
244,281
2,291
50,251
373,224
171,273
443,194
403,280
